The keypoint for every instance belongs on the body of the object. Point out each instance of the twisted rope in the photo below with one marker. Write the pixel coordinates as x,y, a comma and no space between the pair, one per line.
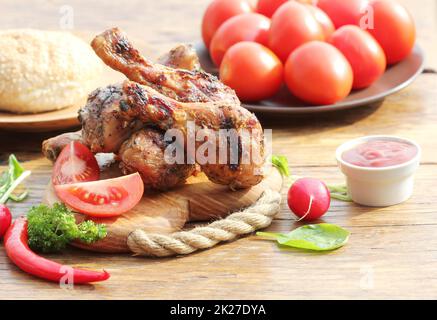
255,217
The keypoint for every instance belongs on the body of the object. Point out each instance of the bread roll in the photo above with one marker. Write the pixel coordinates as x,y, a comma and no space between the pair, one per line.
45,70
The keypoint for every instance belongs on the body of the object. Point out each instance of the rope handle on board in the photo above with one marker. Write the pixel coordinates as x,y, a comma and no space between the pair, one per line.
253,218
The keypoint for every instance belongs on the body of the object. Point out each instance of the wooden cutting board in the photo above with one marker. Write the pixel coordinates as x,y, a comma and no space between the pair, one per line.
166,212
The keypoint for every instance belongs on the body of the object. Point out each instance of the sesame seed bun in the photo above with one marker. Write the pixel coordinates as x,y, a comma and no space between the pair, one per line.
45,70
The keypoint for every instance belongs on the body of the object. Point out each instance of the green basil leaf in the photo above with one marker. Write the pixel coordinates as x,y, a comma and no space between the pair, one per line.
20,197
5,182
15,168
10,180
339,192
318,237
281,163
4,178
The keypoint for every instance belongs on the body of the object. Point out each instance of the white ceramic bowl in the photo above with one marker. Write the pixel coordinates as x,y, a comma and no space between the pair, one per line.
382,186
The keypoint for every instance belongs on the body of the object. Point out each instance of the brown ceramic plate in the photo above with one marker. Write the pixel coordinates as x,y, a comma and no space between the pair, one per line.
394,79
47,121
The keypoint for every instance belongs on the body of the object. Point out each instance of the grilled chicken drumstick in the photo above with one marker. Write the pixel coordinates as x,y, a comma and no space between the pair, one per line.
115,112
143,151
181,57
142,148
114,48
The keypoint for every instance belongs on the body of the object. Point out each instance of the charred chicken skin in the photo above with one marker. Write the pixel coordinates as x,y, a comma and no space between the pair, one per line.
113,113
181,57
144,152
130,119
115,49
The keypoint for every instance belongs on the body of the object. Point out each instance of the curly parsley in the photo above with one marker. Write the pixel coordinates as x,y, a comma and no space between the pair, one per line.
51,229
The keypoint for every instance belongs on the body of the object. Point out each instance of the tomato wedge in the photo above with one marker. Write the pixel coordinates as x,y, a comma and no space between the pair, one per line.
103,198
76,163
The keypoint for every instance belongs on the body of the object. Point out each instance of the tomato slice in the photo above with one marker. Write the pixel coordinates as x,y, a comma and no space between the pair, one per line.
103,198
76,163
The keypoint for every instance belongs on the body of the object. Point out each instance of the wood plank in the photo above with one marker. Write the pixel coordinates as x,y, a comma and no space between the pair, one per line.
393,241
389,255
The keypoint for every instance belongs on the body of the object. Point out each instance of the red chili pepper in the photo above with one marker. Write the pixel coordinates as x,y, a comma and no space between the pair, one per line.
18,251
5,219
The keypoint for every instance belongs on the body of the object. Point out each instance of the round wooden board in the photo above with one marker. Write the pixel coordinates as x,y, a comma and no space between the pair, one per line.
166,212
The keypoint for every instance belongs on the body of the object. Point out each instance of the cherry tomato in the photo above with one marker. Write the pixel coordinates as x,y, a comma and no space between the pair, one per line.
218,12
309,199
5,219
323,19
292,25
269,7
103,198
318,73
75,163
252,70
393,28
364,54
244,27
343,12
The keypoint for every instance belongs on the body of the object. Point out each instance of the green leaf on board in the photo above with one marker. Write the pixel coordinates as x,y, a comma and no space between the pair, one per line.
11,179
281,163
317,237
339,192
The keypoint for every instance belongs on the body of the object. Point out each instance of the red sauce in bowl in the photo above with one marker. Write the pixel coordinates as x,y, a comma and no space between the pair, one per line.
380,153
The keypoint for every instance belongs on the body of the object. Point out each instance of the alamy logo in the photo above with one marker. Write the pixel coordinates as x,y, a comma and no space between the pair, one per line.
224,146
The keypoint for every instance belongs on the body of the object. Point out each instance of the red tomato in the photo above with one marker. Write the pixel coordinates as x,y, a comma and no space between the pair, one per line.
364,54
393,28
244,27
309,199
292,25
318,73
323,19
5,219
218,12
269,7
75,163
103,198
252,70
343,12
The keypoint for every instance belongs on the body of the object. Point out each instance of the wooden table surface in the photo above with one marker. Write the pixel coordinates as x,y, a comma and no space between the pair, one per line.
392,252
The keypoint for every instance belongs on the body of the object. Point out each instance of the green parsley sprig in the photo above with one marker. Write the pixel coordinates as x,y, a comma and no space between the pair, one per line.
50,229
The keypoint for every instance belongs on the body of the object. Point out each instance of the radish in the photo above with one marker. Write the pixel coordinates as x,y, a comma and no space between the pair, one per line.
309,199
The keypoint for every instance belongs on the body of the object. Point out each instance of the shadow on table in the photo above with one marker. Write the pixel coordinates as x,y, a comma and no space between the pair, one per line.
329,119
24,144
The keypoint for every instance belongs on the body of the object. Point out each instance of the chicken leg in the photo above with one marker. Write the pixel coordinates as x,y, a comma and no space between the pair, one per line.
115,49
138,146
104,118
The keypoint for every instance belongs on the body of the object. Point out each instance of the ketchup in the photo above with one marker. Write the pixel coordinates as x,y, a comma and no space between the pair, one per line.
380,153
